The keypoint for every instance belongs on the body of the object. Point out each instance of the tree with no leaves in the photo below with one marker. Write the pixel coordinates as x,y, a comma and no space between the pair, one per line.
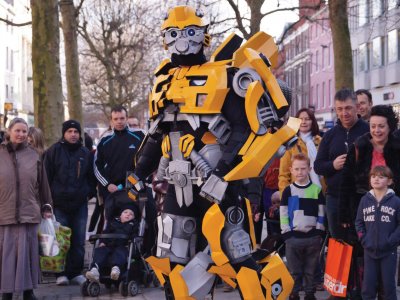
119,42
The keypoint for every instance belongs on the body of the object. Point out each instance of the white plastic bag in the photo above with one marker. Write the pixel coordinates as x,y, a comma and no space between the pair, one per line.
47,237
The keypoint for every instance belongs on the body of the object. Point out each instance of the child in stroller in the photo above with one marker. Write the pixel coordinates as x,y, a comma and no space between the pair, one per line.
114,250
117,258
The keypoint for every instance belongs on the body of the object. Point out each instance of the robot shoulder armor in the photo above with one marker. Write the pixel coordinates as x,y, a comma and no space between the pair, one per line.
163,67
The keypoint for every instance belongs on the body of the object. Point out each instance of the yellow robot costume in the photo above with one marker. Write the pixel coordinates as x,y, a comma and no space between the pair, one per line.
215,125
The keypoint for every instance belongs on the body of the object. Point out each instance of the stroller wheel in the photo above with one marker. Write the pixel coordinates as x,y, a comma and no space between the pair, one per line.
123,289
84,289
93,289
133,288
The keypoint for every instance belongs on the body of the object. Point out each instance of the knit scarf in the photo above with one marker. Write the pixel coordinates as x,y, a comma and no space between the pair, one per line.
312,154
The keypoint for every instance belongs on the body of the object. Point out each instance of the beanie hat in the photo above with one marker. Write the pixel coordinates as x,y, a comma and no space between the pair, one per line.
132,207
71,124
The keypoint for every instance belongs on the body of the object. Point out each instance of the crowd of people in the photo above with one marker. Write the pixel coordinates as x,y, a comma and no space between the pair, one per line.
343,181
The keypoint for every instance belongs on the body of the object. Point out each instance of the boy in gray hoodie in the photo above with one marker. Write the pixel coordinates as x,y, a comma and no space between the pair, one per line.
378,228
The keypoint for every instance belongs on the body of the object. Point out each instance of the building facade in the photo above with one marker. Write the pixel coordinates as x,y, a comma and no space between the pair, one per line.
308,66
374,31
16,87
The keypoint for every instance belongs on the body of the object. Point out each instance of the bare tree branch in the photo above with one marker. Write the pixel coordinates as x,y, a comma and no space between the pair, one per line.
8,22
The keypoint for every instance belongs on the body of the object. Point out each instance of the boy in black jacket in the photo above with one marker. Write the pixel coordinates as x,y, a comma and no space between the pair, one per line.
378,228
114,251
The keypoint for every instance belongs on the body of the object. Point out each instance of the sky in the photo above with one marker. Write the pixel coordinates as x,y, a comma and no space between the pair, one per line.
275,23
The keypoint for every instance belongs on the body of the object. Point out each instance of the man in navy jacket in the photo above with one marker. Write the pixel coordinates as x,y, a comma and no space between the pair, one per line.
332,152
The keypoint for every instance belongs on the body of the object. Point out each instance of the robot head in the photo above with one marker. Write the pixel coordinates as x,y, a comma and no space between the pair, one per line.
184,31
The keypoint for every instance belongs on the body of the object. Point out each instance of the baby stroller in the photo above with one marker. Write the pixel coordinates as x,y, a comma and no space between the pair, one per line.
137,270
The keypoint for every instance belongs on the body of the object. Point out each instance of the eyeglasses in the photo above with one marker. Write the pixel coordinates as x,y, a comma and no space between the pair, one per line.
133,125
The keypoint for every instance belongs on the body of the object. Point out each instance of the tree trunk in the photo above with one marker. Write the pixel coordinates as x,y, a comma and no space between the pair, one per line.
69,27
341,44
256,15
47,91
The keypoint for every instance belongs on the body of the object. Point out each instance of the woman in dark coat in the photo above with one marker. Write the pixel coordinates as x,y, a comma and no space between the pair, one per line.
23,192
378,147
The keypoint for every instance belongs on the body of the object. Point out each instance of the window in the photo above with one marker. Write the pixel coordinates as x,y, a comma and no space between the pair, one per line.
377,6
362,12
323,56
312,95
316,60
12,93
363,58
377,54
393,46
6,58
317,95
12,60
329,93
6,91
323,95
329,55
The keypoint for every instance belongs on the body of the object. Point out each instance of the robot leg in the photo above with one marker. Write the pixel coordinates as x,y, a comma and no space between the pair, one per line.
183,274
231,251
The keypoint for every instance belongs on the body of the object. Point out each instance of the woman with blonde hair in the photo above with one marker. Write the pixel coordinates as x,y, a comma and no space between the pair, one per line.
24,191
36,139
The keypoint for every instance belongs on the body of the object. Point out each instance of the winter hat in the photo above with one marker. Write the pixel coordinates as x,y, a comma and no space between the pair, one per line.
132,207
71,124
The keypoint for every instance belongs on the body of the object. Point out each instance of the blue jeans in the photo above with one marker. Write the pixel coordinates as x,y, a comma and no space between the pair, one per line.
77,222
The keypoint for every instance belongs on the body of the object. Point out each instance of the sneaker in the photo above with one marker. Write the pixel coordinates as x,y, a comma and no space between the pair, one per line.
93,275
78,280
115,273
62,280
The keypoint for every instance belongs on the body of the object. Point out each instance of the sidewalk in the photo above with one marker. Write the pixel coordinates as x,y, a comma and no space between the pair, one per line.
48,290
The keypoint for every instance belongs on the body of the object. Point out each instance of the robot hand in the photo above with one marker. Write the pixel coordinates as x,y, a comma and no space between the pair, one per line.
214,189
134,186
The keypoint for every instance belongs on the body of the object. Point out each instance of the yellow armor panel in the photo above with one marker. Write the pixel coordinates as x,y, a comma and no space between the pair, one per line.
275,271
178,284
160,266
181,17
251,224
260,42
166,147
262,150
253,95
249,284
226,272
199,89
264,71
186,145
213,223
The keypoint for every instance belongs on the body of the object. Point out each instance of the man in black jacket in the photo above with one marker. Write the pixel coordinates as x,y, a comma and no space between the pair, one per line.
70,173
114,156
332,153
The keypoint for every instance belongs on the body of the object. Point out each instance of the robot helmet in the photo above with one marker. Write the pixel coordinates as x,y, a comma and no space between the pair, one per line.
184,31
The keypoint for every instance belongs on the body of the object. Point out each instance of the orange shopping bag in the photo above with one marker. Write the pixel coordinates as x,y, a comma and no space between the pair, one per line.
337,267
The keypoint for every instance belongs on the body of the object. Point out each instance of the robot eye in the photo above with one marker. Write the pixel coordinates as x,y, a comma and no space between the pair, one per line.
191,32
174,34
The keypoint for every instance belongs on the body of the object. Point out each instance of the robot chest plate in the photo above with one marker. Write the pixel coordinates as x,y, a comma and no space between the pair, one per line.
199,89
